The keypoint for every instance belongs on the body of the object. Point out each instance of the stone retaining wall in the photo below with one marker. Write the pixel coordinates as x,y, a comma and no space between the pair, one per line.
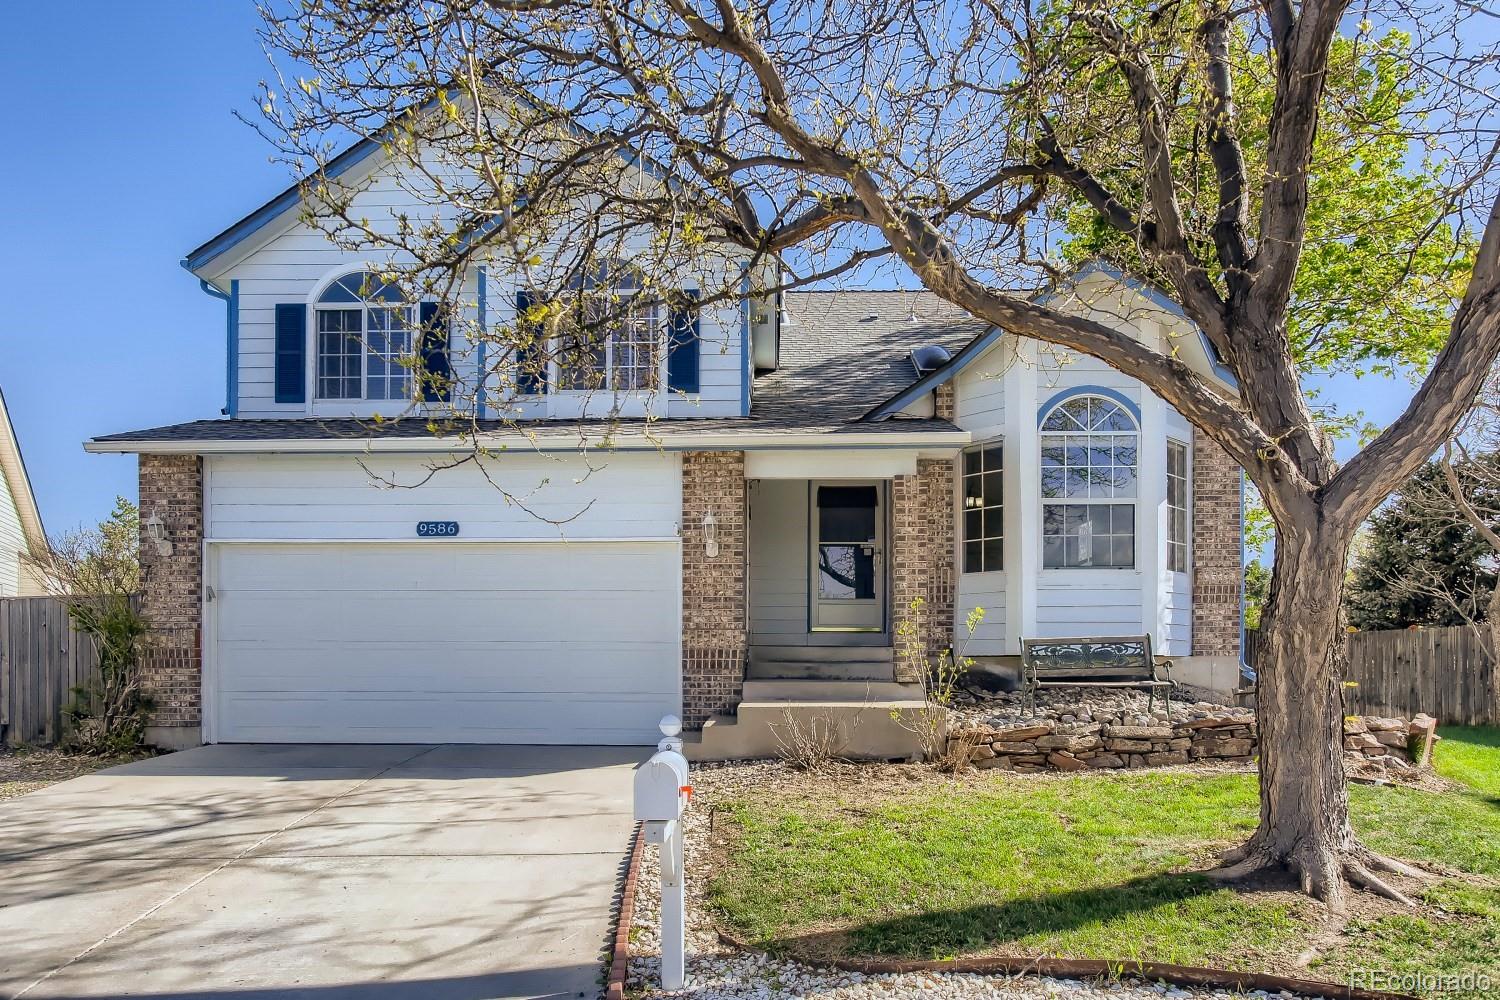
1048,745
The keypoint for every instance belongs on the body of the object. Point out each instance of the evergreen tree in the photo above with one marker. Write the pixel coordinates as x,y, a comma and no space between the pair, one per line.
1420,563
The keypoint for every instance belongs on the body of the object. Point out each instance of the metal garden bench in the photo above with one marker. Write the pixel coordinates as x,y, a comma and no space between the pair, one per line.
1117,662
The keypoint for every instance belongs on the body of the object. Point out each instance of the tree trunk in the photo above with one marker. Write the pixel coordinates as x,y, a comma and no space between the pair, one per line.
1304,796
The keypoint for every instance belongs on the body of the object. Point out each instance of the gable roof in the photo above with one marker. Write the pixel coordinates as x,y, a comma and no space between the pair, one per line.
345,161
980,344
13,473
274,209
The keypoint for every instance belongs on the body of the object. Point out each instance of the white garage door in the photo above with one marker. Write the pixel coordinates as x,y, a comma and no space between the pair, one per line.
445,642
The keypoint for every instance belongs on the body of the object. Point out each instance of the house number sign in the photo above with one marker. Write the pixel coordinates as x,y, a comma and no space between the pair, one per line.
437,529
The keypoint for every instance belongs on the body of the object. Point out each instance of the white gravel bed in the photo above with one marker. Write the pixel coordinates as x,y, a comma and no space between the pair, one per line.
716,971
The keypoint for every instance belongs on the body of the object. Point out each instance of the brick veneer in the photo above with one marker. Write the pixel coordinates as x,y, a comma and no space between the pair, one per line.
922,564
944,401
1217,573
171,488
713,589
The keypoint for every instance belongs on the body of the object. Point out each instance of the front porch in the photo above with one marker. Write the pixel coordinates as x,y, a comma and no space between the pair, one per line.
825,554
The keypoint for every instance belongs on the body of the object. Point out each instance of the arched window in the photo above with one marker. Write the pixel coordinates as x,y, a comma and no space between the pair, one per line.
1088,475
614,341
364,340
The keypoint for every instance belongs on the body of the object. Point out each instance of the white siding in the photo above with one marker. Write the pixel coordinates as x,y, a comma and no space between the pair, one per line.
335,497
1179,620
987,591
290,266
778,562
12,543
1082,602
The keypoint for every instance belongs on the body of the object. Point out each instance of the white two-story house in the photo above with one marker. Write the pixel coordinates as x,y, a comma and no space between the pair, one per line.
771,486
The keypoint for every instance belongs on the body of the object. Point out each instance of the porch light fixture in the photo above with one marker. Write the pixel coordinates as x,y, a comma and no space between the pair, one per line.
710,536
156,531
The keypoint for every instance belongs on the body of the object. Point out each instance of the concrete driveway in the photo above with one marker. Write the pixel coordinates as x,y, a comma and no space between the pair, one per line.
324,872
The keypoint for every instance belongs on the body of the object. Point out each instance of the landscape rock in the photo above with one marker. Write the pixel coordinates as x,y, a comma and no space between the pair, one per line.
1139,732
1065,761
1073,743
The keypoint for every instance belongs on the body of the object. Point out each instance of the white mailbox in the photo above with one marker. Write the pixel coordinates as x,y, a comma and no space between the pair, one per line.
661,794
661,787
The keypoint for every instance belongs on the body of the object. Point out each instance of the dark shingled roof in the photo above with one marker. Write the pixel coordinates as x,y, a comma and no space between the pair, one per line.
845,351
842,353
332,428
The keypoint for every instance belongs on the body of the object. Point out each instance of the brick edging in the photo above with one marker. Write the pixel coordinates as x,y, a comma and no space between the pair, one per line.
619,961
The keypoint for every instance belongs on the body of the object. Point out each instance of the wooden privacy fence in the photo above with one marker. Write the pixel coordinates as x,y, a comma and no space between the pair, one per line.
1441,671
42,658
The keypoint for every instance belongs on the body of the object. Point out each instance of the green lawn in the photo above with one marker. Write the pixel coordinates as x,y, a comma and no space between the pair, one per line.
1100,866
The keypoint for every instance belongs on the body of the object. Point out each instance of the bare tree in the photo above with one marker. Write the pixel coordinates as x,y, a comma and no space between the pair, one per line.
1470,464
765,146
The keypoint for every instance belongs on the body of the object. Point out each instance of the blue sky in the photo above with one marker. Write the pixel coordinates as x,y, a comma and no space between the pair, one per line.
123,154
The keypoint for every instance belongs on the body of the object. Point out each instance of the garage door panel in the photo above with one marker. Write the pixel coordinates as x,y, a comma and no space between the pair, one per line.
561,566
418,671
369,719
437,619
446,642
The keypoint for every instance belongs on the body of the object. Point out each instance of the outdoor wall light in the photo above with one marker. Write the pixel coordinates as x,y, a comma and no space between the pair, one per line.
710,535
156,531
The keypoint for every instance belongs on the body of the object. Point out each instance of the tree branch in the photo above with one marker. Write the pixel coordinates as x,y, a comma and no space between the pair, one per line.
1445,396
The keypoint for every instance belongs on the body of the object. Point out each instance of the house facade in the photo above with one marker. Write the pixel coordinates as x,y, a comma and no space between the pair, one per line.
781,500
21,532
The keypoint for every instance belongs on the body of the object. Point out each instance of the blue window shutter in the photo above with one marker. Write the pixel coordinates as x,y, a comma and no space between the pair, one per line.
437,370
683,345
291,352
531,373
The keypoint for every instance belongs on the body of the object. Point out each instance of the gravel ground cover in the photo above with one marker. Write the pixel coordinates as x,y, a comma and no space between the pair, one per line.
23,769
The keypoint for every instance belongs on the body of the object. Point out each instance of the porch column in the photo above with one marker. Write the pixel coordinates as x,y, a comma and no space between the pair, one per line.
922,555
713,586
171,489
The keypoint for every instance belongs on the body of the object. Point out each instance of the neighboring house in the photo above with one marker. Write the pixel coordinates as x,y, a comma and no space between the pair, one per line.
21,533
772,499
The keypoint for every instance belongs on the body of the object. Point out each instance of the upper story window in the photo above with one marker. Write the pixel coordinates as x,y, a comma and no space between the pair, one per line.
1088,474
1177,506
364,340
613,340
984,509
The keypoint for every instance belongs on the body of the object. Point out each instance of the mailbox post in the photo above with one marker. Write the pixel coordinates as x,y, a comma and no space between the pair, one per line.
661,794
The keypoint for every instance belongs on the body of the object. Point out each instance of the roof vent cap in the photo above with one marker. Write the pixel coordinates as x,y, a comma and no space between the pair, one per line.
929,358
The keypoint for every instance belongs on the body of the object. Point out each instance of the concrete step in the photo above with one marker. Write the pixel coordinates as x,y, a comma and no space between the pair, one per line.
832,663
864,728
840,692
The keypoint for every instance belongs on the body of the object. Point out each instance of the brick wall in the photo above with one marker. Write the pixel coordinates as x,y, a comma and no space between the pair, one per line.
922,516
171,488
713,589
944,402
1216,550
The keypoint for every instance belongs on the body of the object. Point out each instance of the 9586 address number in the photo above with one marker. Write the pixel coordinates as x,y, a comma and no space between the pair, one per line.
437,529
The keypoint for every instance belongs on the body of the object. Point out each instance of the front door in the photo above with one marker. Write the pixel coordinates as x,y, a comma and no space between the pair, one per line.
848,557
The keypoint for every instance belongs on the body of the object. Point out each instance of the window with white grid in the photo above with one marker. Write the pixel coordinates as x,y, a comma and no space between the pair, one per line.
1178,486
364,340
1089,468
984,509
